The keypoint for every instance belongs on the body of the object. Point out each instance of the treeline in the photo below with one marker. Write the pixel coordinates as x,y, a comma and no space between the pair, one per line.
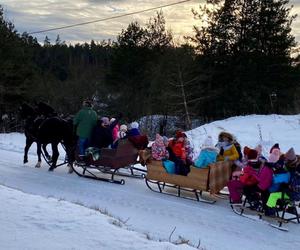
239,61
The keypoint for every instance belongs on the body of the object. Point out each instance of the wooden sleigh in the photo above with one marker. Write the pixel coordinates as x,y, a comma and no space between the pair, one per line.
112,162
211,179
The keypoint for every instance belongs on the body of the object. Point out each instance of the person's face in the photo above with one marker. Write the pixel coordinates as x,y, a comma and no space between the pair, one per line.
180,139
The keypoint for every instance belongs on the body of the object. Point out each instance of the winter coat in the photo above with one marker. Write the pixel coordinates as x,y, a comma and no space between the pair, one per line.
189,150
133,132
230,153
235,188
265,177
115,132
159,151
178,149
102,136
249,176
206,157
84,121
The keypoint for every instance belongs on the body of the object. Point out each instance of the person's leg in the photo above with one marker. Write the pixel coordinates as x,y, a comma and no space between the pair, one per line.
82,144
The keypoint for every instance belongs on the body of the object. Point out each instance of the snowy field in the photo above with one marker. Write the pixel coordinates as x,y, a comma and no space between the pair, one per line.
57,210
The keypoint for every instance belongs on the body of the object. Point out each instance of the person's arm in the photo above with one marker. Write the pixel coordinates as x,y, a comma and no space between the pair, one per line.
234,154
77,118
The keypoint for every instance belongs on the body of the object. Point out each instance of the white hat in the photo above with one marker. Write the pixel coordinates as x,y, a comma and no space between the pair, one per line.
134,125
123,127
208,144
112,120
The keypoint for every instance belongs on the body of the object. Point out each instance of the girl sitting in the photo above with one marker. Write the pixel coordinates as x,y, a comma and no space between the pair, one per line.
207,155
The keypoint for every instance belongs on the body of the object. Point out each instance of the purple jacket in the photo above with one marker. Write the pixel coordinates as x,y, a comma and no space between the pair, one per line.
265,177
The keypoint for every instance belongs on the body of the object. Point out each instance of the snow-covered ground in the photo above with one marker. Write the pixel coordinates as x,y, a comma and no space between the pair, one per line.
253,130
56,210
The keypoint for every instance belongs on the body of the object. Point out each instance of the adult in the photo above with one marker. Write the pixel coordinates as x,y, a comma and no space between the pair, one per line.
102,134
84,121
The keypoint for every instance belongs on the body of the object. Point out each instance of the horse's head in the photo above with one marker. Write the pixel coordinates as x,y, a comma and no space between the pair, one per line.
26,111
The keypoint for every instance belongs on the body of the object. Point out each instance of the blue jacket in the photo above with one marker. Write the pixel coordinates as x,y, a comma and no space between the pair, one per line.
205,158
133,132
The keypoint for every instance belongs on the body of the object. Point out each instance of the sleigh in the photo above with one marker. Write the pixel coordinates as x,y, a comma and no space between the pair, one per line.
112,162
285,211
211,179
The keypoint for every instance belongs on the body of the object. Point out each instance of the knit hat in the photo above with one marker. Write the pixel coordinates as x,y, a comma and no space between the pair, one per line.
105,121
274,156
179,134
123,127
276,145
250,153
112,120
134,125
290,155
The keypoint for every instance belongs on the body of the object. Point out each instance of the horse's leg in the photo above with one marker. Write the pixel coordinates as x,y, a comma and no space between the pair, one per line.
39,152
27,146
55,155
70,156
44,146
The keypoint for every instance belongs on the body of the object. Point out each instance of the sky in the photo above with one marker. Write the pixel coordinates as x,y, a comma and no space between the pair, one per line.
36,15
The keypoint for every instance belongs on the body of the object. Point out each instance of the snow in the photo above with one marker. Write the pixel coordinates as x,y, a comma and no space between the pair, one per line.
253,130
56,210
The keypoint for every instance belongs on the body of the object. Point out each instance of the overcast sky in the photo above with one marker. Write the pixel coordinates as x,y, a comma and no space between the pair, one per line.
35,15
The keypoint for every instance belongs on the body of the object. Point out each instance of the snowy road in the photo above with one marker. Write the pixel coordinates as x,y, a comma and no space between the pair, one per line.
147,212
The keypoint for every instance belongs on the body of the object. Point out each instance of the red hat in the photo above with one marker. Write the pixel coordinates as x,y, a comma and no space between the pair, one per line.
250,153
179,134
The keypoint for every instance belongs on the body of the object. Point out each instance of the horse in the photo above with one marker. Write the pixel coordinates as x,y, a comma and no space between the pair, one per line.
52,130
32,123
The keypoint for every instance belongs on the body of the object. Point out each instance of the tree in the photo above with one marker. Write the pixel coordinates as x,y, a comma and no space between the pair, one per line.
247,46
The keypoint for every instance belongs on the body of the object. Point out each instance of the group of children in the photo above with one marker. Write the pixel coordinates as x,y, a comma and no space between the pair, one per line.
262,179
179,151
265,180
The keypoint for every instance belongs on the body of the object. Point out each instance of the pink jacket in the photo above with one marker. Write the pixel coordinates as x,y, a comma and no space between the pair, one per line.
115,132
265,177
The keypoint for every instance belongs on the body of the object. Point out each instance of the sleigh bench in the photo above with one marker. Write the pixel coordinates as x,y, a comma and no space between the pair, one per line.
111,162
211,179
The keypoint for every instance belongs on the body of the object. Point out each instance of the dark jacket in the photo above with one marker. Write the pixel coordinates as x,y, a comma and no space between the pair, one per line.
102,136
133,132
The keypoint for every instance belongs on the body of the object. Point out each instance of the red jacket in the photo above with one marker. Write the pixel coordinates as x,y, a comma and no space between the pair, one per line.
249,176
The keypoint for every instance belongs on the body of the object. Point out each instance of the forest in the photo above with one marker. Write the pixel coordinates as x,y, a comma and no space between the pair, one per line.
241,59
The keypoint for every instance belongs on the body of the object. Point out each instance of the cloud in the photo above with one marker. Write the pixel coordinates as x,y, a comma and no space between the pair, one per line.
37,15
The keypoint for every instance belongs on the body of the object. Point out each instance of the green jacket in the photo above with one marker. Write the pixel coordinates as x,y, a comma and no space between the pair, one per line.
84,121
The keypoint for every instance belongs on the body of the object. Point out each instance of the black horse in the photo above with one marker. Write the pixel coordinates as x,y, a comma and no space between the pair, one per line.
43,131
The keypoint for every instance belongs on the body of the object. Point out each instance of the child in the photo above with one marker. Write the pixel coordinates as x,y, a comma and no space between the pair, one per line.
159,151
208,154
227,149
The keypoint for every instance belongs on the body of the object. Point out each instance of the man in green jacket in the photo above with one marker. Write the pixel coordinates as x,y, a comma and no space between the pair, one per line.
84,121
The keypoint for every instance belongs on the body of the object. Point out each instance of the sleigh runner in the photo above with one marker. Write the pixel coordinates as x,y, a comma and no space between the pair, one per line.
211,179
112,162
